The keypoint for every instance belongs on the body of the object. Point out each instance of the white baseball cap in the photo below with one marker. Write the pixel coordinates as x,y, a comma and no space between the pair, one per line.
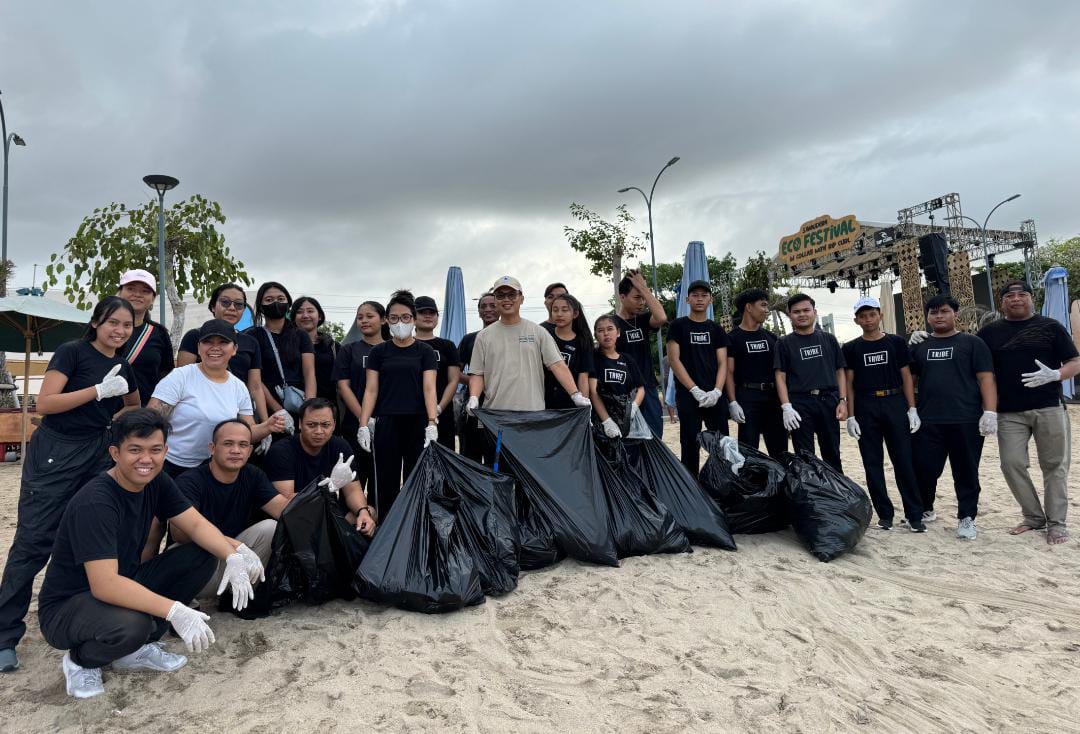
867,302
139,276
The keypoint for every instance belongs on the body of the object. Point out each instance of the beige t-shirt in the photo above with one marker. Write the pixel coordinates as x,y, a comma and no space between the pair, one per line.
512,360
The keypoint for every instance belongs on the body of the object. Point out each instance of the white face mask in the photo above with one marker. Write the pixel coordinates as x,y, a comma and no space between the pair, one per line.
401,332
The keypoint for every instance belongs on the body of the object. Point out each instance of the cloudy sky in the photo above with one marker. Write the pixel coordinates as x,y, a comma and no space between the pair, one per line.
358,147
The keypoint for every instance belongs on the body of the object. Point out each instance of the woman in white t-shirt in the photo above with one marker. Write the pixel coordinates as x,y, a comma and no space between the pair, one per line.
197,397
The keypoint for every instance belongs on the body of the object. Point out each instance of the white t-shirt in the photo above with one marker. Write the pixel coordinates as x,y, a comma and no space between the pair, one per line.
512,360
200,404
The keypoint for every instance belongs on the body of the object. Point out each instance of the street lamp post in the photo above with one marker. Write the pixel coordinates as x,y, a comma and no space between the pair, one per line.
161,184
652,253
986,246
8,140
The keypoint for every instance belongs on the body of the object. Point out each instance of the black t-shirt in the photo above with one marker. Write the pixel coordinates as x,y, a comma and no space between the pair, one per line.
465,348
698,342
615,377
150,354
85,367
876,363
635,342
1015,345
351,365
446,356
248,355
401,377
809,362
948,388
752,352
292,344
325,353
104,521
286,460
227,506
578,360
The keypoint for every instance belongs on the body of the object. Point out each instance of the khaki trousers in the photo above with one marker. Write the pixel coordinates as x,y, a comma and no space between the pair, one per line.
1050,427
259,537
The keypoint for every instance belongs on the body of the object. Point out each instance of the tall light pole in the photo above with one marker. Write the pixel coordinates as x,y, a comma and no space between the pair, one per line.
161,184
986,246
652,253
8,140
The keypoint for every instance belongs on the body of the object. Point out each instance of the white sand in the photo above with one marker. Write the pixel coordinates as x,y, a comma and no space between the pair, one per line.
908,633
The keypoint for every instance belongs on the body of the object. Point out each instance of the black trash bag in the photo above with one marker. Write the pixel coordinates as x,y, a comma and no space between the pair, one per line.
314,555
418,559
561,504
640,524
753,500
829,512
618,409
694,511
486,515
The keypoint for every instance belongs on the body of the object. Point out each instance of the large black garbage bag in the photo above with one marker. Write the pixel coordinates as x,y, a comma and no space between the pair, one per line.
694,511
753,500
640,524
561,503
829,512
314,555
418,559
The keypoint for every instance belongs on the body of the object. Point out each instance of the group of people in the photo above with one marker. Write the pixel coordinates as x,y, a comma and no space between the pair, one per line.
153,483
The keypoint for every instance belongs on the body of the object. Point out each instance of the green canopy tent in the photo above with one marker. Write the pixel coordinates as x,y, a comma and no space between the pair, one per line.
35,323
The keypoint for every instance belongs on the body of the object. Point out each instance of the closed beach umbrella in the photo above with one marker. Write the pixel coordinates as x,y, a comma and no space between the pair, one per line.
1056,307
695,267
453,315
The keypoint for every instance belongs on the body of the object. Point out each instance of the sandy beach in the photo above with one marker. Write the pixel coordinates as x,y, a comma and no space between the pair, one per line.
908,633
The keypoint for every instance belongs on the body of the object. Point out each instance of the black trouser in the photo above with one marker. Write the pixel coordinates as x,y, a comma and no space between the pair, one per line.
886,419
691,416
818,413
397,444
763,419
363,464
447,429
54,469
97,633
476,444
962,445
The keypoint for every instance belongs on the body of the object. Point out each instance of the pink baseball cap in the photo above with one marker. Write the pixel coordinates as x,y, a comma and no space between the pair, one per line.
139,276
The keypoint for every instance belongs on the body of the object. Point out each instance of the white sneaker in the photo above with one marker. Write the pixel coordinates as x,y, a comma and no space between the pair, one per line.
151,656
929,516
81,682
965,529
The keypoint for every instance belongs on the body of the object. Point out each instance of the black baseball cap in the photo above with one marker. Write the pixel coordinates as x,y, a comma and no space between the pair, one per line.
425,303
1017,284
217,327
698,284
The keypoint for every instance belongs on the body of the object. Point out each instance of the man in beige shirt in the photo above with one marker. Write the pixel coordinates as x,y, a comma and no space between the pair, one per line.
510,355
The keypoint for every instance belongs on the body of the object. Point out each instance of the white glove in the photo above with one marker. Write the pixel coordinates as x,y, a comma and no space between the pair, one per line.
611,430
988,423
580,400
236,577
340,475
253,563
918,337
732,455
699,395
1042,376
712,398
265,444
792,419
736,412
290,424
191,625
363,437
853,428
431,433
473,404
112,385
913,419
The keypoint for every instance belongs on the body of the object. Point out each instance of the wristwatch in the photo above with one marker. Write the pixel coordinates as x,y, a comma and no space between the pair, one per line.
843,399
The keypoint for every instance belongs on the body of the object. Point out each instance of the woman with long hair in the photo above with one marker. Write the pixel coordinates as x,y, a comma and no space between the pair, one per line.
400,394
571,333
615,380
350,376
86,383
288,356
228,302
149,351
307,314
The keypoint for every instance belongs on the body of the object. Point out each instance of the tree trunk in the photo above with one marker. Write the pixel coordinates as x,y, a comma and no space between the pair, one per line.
176,303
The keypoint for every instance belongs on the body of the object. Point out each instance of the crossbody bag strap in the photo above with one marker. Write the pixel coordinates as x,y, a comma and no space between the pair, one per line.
277,357
142,340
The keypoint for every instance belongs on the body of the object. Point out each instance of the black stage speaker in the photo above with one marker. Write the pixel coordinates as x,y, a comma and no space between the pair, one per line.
934,260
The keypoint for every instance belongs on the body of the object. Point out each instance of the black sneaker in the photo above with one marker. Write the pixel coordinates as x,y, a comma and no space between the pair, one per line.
916,526
882,525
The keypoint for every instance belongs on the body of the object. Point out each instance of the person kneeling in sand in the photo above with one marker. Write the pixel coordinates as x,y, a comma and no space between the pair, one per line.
103,606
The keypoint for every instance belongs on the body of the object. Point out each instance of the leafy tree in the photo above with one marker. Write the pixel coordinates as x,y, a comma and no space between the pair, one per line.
335,329
115,238
604,244
669,275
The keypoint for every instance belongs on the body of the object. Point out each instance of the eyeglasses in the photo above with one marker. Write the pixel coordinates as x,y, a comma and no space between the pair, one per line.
506,295
312,425
405,318
227,303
